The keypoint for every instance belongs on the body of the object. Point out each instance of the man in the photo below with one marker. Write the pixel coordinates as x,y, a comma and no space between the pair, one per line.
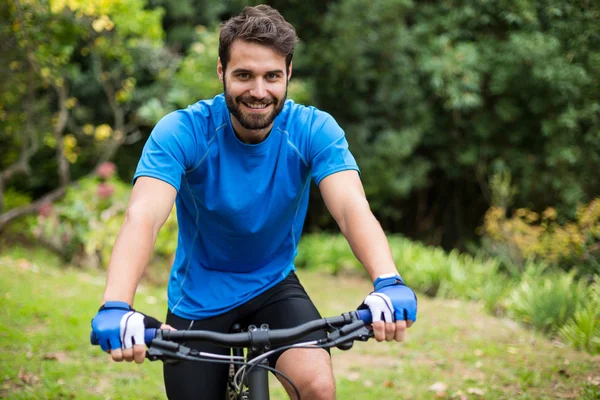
239,168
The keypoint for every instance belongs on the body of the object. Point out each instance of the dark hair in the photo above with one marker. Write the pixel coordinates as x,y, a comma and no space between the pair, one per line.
260,24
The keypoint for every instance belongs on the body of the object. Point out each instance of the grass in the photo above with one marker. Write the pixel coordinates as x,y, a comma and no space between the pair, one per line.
455,350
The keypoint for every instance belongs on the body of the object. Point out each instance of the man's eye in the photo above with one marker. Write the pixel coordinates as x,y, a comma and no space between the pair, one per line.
244,76
272,76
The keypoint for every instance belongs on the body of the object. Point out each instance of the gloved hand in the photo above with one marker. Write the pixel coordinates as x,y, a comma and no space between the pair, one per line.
392,300
118,326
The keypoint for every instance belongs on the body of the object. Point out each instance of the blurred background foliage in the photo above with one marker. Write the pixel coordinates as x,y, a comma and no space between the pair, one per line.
476,125
435,97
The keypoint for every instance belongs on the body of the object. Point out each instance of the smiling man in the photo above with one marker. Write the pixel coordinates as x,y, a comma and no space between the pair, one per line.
239,168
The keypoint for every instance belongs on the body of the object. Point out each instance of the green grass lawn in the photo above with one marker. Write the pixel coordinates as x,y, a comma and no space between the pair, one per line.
454,351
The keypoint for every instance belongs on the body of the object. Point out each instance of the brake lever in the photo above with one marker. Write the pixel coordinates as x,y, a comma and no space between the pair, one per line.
165,351
344,337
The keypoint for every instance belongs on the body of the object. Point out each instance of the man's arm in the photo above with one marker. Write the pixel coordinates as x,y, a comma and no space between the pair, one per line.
345,199
149,207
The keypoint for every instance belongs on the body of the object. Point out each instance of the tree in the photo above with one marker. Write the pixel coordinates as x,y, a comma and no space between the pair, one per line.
62,55
437,96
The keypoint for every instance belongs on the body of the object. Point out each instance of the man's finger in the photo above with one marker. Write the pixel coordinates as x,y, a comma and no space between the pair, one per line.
379,330
117,355
390,331
400,330
139,353
409,323
128,354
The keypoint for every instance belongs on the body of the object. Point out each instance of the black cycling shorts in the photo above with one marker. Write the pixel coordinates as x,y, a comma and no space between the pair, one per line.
285,305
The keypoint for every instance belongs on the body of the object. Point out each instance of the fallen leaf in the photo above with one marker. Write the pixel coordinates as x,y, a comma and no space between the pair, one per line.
388,384
27,378
594,380
58,356
477,391
460,395
438,387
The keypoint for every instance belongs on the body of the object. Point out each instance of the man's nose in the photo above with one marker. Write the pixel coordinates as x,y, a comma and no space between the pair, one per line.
259,89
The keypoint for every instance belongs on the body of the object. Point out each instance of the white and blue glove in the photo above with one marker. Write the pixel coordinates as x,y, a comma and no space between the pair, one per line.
392,300
118,326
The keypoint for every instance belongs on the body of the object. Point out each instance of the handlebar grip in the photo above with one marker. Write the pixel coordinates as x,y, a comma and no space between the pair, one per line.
149,335
365,315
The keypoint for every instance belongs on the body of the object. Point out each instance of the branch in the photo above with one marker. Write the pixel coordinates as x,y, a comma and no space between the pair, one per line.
30,208
29,146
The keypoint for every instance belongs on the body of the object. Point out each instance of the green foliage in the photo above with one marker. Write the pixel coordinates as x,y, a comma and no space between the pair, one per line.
547,301
457,92
582,331
545,237
437,273
81,71
325,252
84,225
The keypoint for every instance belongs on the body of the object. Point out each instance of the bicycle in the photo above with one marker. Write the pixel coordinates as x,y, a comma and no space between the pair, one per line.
248,378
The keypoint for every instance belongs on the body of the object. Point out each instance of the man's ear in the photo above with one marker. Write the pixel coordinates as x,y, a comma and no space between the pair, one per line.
220,70
289,75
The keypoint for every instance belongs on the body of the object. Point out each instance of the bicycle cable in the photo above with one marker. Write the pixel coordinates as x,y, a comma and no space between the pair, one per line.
211,357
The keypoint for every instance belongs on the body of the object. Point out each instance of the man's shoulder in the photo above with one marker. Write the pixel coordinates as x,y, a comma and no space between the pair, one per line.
201,117
306,119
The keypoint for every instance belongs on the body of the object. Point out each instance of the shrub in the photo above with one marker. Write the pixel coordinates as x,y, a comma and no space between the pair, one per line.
83,225
326,252
437,273
527,234
583,330
547,301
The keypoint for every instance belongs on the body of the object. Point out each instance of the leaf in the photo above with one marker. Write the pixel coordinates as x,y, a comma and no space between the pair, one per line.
57,356
476,391
438,387
27,378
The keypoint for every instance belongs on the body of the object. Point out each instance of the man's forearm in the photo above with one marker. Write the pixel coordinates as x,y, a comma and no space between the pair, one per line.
131,254
367,240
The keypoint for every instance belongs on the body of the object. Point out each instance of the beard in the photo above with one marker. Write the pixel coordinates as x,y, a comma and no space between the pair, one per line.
249,120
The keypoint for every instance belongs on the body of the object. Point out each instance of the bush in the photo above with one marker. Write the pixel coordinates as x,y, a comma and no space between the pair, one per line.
527,234
326,252
547,301
437,273
583,330
83,226
540,296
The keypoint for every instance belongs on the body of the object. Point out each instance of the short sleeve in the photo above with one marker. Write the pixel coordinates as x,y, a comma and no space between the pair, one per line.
170,151
329,151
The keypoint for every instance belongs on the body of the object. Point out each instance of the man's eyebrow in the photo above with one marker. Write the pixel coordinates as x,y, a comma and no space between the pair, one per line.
247,71
241,71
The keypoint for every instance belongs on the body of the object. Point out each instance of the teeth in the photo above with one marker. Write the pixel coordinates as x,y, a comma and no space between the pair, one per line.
257,105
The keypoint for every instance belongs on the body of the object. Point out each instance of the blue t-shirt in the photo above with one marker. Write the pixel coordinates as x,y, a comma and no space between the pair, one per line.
240,207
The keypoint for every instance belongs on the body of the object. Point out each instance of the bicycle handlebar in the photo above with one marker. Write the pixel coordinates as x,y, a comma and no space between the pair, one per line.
245,339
